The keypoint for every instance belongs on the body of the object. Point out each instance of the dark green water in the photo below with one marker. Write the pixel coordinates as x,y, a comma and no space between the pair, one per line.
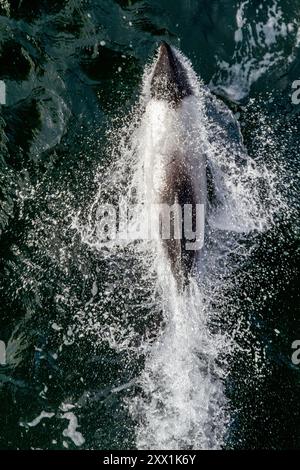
72,71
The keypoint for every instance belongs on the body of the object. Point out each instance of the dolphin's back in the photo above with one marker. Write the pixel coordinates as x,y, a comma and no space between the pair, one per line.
184,181
178,190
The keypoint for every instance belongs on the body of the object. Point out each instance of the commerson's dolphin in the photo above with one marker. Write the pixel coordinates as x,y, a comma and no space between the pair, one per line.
181,179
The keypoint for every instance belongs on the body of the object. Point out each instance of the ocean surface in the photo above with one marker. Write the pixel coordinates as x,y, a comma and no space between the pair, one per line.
97,352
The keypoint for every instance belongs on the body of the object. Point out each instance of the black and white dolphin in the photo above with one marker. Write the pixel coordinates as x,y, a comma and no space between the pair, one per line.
175,171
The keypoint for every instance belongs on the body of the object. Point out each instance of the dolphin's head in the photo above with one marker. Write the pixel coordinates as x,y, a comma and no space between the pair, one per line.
169,80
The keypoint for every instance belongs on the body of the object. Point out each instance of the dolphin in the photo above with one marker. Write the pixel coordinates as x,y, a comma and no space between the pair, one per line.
183,180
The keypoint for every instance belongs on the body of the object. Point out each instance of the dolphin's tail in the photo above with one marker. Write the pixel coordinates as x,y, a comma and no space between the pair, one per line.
169,80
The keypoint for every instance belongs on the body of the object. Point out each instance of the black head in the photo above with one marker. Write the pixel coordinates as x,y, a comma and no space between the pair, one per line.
169,81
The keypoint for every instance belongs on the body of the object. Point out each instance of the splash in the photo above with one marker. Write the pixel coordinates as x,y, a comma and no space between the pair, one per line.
183,344
173,352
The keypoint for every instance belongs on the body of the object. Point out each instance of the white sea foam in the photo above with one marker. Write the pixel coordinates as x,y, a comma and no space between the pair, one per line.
71,431
38,419
259,45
